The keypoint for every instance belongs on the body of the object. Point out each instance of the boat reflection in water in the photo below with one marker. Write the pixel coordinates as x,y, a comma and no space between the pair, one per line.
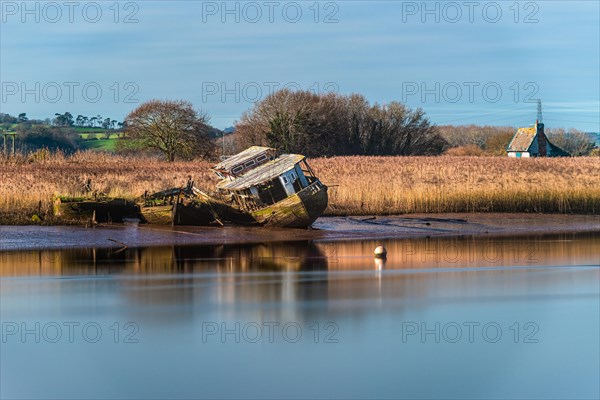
293,273
197,311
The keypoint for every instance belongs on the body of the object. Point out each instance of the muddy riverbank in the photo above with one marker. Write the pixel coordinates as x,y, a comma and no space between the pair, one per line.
326,228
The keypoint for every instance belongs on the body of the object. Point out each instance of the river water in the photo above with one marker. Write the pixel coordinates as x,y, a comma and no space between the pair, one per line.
466,317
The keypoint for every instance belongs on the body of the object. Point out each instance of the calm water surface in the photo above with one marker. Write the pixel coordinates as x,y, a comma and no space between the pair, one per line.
440,318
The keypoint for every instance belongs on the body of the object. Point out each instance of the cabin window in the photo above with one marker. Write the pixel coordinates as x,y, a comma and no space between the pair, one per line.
307,171
264,195
290,182
297,185
301,178
249,163
237,169
271,192
277,190
261,158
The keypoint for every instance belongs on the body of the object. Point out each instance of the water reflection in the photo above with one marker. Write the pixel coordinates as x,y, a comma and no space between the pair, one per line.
170,293
298,256
302,256
285,280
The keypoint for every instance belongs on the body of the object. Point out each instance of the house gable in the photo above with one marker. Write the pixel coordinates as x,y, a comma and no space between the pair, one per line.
522,140
534,142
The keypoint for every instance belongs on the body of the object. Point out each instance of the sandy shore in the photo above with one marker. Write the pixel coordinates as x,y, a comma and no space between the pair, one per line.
327,228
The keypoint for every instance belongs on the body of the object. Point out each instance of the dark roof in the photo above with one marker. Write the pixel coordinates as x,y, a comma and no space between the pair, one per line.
522,139
557,151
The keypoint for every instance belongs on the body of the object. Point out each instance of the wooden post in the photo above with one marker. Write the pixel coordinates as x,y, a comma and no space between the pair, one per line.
174,214
13,145
5,149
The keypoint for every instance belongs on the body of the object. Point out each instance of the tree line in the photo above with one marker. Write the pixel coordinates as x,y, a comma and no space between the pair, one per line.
334,124
65,119
53,134
478,140
97,121
293,122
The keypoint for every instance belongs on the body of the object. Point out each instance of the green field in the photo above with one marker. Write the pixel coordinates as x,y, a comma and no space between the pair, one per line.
98,133
100,136
95,138
90,138
100,145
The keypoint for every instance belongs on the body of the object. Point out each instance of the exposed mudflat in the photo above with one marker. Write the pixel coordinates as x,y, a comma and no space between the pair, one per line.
329,228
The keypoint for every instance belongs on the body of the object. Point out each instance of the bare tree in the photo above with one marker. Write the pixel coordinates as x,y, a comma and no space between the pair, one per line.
573,141
172,127
333,124
497,142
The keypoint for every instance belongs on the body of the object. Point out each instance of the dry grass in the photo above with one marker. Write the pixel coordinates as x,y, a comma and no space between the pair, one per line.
395,185
27,187
360,185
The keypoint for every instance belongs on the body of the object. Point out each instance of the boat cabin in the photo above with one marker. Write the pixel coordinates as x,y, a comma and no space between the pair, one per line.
270,182
243,162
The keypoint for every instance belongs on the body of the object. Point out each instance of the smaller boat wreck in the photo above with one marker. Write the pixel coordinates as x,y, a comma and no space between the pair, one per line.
256,187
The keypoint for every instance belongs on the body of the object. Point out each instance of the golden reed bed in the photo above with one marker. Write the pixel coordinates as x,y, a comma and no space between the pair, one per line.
377,185
359,185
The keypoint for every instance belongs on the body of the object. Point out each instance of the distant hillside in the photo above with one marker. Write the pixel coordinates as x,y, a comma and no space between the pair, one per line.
214,132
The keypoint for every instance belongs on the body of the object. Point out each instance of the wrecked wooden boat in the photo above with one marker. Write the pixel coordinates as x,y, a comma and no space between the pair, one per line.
271,190
179,206
256,187
98,209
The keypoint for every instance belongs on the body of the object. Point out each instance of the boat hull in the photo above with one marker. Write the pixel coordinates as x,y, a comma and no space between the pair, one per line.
183,213
160,215
297,211
108,210
194,213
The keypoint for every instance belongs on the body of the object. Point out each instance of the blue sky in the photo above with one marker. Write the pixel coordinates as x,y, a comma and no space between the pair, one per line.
479,62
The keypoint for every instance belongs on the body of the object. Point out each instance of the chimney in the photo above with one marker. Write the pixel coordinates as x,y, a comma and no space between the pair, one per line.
541,138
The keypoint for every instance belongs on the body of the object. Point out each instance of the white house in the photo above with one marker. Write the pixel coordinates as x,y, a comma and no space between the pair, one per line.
532,142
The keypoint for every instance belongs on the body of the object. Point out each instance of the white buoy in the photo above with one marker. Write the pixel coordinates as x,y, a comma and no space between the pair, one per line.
380,252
